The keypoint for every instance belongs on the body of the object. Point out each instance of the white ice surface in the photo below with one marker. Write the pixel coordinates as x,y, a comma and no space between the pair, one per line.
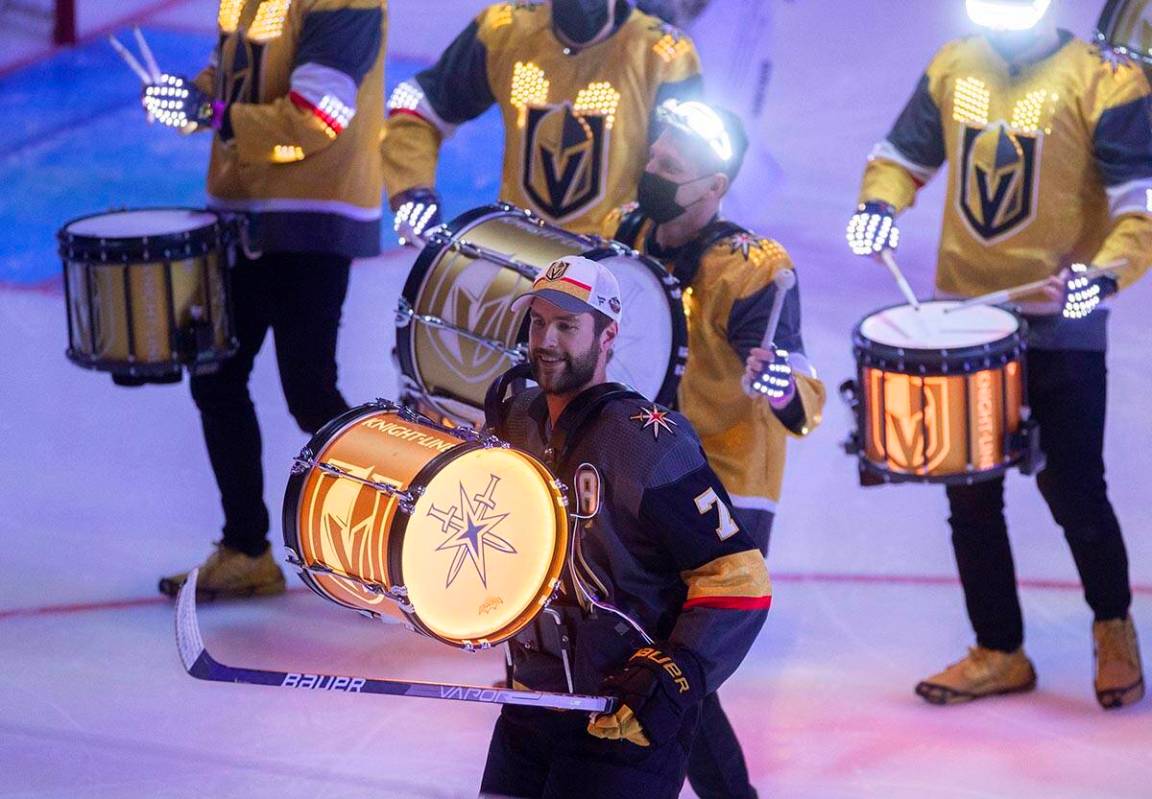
104,489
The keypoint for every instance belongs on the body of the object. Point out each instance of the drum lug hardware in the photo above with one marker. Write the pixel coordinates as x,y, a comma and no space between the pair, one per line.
403,313
303,462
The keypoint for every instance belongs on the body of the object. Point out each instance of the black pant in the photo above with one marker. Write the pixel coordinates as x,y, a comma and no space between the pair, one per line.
298,296
716,767
546,753
1067,392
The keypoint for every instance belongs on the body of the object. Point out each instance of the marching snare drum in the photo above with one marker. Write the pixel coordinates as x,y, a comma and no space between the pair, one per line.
386,508
147,292
456,332
940,396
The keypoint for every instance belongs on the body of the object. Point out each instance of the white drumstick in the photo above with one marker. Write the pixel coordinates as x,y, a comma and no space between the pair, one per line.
130,60
905,289
784,281
1015,293
146,51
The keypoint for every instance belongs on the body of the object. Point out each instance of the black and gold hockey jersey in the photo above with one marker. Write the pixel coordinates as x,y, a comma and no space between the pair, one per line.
1049,163
728,295
297,153
576,122
665,548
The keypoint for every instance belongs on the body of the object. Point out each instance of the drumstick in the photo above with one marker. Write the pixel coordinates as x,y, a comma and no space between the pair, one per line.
146,51
130,60
905,289
1015,293
784,281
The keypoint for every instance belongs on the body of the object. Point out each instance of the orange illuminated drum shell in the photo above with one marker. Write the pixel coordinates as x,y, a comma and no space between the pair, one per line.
936,413
466,590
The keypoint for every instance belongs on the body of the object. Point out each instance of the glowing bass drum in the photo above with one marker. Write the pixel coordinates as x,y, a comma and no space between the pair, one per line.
456,331
939,397
147,292
386,509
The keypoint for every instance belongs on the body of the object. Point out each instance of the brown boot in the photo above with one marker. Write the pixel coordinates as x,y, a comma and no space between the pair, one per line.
984,672
1119,679
228,574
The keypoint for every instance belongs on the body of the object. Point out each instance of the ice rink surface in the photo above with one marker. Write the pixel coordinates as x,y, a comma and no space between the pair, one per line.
107,488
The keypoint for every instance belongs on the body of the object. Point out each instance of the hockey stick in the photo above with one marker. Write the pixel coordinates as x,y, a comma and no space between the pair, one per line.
201,665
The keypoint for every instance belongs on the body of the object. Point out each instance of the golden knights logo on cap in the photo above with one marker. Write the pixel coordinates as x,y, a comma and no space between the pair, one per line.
576,284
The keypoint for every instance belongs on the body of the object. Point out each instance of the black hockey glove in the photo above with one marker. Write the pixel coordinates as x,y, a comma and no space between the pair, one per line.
655,688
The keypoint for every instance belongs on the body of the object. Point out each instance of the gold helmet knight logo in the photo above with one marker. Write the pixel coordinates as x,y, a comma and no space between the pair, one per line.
564,159
916,433
556,270
997,180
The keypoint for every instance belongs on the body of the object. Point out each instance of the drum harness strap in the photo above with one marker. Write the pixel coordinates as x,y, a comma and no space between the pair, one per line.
686,262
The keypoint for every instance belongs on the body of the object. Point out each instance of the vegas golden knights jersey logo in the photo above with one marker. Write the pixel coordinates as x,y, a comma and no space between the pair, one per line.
564,159
998,172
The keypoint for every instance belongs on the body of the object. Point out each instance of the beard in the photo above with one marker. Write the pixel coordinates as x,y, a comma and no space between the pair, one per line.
566,375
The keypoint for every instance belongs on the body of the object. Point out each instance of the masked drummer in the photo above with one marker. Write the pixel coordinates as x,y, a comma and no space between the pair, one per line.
665,550
576,82
1050,153
726,273
294,152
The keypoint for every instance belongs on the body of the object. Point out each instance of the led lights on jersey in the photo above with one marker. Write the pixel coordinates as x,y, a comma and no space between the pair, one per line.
1007,15
228,18
598,98
670,47
406,96
972,102
287,153
529,87
269,21
1029,111
699,120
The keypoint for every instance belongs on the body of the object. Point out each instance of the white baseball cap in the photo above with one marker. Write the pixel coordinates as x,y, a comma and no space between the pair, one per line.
576,284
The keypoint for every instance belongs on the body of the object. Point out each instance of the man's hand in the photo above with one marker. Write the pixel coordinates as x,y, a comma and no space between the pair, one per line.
767,373
417,210
872,229
174,101
655,687
1083,294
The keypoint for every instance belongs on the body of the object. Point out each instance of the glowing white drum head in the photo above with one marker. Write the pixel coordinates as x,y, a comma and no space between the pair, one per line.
138,224
484,546
644,349
931,328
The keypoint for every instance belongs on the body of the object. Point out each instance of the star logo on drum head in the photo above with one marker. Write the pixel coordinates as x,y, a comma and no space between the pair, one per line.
469,527
656,418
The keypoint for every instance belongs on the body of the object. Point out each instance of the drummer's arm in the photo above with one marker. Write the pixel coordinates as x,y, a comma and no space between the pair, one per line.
745,326
426,109
914,150
1123,150
337,48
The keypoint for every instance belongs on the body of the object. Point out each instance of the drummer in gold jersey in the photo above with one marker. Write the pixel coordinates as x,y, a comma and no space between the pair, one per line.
1049,153
576,81
727,274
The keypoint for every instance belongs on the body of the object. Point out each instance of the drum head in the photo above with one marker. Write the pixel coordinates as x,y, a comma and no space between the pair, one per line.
139,224
647,349
483,546
930,328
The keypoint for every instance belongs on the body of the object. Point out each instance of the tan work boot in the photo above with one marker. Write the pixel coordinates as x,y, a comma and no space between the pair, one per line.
984,672
228,574
1119,679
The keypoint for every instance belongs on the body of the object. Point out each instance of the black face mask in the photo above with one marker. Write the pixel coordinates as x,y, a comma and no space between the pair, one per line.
656,196
581,21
